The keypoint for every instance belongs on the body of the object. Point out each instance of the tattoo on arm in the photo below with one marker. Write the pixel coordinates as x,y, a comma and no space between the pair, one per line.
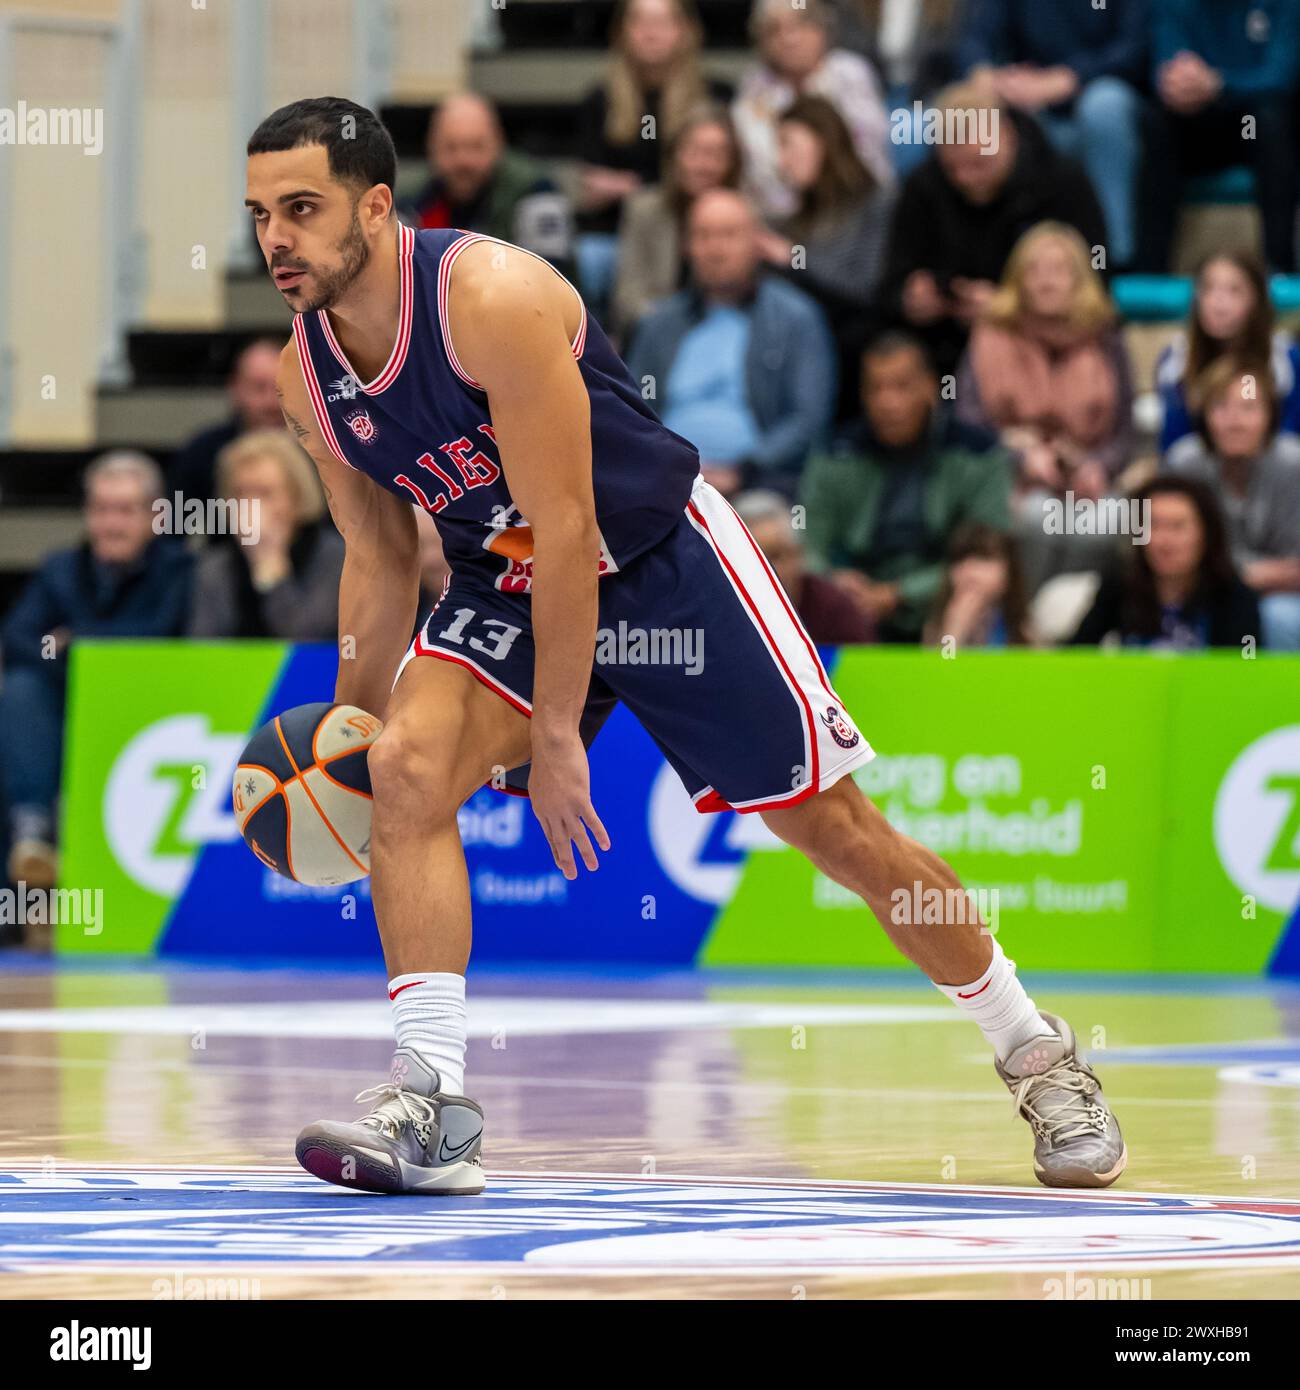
295,424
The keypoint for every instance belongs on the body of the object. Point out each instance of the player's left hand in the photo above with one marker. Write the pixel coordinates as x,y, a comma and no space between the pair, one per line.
559,787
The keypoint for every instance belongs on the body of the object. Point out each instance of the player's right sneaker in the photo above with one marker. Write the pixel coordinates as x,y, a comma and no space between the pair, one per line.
414,1140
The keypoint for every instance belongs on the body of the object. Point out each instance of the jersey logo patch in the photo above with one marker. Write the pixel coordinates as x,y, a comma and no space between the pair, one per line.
841,730
363,427
344,389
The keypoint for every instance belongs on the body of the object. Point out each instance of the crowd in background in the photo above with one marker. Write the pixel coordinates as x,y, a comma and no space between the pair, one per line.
900,358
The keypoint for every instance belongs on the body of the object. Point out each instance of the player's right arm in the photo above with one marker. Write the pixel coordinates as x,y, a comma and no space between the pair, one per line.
379,590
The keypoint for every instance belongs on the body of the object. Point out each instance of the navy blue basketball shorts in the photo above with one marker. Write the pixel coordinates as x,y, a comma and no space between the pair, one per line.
698,639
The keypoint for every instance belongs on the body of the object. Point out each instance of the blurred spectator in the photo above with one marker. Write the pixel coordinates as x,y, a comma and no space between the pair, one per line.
1078,69
1225,74
281,579
1231,315
834,244
1046,367
828,613
981,602
1180,590
254,405
883,503
796,58
741,365
1255,473
960,213
653,84
909,42
121,581
651,264
479,185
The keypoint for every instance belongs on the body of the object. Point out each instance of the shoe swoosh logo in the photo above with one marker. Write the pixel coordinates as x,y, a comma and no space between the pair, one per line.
445,1153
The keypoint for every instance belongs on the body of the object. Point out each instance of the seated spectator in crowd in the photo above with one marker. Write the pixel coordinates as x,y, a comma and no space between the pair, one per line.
960,213
254,405
1046,369
910,43
796,58
651,258
434,569
653,84
1078,69
1219,64
740,364
981,602
1232,315
833,245
1180,590
123,580
479,185
1255,473
829,615
883,502
281,578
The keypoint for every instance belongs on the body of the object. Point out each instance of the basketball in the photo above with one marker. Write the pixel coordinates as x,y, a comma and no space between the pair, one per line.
302,793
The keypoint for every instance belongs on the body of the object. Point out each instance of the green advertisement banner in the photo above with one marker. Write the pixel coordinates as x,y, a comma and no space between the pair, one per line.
1119,811
1112,812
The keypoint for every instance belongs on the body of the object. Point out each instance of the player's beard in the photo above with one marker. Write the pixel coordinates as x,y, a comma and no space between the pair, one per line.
331,285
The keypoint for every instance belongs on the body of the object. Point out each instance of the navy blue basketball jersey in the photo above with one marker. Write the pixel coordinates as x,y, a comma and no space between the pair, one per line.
422,429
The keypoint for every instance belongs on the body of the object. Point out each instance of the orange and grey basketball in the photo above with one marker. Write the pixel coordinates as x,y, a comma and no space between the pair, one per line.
302,793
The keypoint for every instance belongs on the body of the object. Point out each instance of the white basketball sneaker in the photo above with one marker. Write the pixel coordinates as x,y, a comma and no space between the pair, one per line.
415,1139
1077,1141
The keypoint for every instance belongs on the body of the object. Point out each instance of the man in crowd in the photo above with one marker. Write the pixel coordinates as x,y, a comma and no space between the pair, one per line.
1225,74
960,213
478,184
883,503
740,364
1078,69
254,405
121,581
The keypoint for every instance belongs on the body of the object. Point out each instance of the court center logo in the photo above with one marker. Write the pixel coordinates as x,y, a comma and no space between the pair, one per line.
1257,819
166,797
55,1215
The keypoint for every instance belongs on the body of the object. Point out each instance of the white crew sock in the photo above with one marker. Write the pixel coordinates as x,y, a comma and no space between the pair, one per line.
429,1015
998,1003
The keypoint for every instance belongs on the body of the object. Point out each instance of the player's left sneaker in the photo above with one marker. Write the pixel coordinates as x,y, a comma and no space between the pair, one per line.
415,1139
1077,1142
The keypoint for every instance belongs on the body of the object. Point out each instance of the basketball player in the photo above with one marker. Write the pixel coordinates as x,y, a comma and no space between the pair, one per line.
460,375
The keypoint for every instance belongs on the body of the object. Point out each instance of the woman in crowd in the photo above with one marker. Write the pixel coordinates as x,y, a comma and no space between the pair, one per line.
277,573
1231,315
1180,591
654,83
1046,369
796,58
1254,471
982,601
703,155
833,245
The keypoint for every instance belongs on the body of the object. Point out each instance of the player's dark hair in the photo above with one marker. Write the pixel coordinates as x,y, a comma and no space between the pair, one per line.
359,149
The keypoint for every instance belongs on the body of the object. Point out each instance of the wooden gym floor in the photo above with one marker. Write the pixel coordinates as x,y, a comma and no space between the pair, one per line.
666,1135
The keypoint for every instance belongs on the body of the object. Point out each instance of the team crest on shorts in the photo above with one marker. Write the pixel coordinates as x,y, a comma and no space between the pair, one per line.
841,730
362,426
